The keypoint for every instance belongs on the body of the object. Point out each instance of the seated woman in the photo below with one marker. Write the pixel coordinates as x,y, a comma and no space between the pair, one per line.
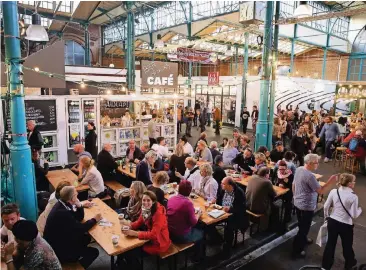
230,152
260,161
153,216
182,218
143,169
161,178
208,186
93,178
133,209
177,163
264,150
284,179
40,170
203,153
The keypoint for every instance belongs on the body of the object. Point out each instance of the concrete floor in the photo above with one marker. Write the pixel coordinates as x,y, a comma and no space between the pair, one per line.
277,254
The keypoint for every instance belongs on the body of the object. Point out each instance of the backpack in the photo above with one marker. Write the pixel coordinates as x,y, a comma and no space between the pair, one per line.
353,145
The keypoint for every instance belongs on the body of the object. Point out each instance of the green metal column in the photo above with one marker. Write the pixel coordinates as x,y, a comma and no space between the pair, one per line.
262,125
293,49
245,71
189,28
22,170
87,45
130,50
274,71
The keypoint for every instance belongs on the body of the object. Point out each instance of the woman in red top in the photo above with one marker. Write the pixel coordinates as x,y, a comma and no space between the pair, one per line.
153,215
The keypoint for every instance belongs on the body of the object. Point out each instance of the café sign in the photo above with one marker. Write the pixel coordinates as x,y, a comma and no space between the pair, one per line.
156,74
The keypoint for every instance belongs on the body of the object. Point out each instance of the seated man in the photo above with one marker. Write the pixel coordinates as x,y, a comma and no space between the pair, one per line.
237,138
9,215
232,198
158,165
218,171
31,250
357,147
213,149
65,231
260,195
160,148
80,153
133,153
192,173
106,164
278,153
243,161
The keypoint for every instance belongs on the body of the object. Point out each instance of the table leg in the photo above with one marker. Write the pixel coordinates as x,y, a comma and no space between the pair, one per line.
112,263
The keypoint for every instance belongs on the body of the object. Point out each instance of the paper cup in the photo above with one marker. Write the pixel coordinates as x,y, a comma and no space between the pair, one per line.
115,239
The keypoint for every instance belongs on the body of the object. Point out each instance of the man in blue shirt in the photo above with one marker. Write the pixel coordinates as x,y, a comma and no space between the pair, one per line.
331,132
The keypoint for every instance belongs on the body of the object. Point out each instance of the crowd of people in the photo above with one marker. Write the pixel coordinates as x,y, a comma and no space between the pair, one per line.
60,233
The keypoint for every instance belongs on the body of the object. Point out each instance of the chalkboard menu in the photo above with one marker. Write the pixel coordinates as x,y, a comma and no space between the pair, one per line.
43,112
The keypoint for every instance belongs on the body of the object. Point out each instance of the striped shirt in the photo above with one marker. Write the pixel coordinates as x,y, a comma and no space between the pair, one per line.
306,185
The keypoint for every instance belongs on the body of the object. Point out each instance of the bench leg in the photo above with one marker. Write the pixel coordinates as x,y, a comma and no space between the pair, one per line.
185,259
259,224
158,262
112,262
235,237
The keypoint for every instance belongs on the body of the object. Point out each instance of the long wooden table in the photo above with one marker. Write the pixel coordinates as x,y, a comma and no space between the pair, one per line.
127,171
57,176
103,235
279,191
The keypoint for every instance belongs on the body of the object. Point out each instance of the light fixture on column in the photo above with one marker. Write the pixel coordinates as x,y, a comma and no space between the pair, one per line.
229,52
36,31
159,43
303,10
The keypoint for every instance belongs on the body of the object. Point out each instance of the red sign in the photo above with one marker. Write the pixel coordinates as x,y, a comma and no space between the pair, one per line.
196,56
213,78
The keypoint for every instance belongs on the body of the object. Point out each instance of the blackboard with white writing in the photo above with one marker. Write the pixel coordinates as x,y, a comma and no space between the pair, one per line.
42,111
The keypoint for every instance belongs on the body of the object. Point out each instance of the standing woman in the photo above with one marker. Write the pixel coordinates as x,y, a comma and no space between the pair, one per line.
277,131
345,208
300,145
91,141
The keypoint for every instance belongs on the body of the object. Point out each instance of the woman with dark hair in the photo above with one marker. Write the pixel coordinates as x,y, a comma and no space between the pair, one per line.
91,141
300,145
284,179
153,216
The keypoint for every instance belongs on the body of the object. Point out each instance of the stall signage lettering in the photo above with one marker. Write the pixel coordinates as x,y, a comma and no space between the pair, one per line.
213,78
159,74
117,104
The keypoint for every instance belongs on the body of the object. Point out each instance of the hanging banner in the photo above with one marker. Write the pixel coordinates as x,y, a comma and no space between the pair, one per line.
159,74
213,78
196,56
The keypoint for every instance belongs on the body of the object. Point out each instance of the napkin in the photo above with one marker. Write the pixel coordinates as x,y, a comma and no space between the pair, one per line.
216,213
105,223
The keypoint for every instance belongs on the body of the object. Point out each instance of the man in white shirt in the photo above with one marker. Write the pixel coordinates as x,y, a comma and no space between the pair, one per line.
10,214
160,148
192,173
187,147
151,130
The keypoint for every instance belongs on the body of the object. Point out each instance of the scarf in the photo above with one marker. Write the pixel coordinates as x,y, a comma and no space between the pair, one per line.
203,184
284,175
134,208
145,213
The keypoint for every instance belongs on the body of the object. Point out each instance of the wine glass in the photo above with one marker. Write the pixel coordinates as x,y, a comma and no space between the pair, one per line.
63,166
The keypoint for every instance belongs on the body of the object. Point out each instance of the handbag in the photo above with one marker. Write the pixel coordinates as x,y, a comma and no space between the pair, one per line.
322,237
339,197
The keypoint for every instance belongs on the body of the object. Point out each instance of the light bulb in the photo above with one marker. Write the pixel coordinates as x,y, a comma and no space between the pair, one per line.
36,69
82,84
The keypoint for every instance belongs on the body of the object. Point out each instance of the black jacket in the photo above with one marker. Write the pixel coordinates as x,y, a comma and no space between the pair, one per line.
218,174
40,172
137,154
214,153
64,231
238,209
276,156
91,144
244,163
177,164
106,165
298,145
35,140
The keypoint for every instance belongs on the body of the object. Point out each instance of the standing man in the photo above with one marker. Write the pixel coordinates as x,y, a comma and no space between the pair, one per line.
34,137
217,119
179,119
245,117
190,116
197,106
151,130
331,132
255,115
306,189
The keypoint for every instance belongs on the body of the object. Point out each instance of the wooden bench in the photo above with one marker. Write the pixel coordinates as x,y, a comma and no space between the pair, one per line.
167,254
114,185
182,248
72,266
257,219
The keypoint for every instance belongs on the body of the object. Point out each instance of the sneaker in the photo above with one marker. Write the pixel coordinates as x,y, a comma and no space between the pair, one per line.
326,160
